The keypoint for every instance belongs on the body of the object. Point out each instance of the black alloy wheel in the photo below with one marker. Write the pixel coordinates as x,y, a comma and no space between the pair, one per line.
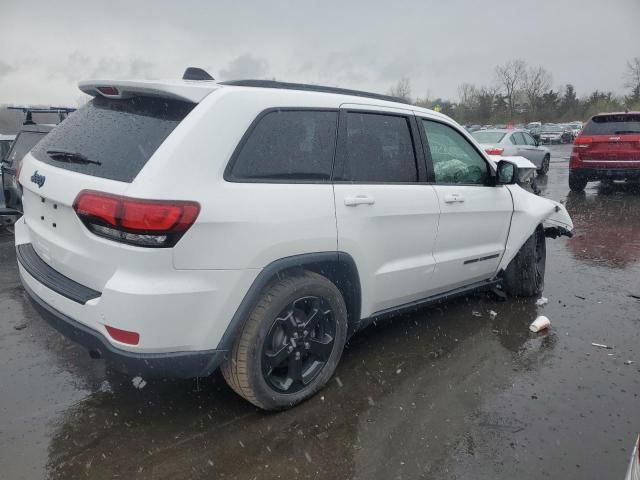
298,344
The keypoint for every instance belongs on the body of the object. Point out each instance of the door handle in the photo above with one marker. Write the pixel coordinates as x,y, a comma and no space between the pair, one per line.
453,198
355,200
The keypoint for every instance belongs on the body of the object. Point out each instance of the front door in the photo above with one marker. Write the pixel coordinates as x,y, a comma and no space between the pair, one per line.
474,216
387,215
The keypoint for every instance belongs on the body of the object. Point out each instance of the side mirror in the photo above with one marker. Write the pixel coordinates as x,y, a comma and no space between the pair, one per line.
506,173
537,142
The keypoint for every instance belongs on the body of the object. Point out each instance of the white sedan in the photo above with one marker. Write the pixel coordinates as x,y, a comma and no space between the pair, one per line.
508,143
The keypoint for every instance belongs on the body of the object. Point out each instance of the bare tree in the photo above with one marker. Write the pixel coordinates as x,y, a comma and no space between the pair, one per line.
467,94
402,89
632,74
536,82
510,76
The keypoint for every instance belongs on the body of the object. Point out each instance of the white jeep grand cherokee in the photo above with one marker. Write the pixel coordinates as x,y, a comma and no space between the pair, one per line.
176,227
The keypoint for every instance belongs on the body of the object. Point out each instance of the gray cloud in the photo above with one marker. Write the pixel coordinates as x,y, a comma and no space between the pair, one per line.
6,69
244,66
367,44
86,66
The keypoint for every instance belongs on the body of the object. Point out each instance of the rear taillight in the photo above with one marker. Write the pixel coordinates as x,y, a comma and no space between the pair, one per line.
494,151
145,223
582,142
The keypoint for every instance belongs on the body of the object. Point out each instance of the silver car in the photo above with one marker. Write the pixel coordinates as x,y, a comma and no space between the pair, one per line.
514,143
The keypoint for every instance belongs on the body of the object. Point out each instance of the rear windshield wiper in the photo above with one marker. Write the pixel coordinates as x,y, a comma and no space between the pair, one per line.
68,156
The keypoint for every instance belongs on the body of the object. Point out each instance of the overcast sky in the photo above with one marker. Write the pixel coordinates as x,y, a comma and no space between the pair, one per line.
46,47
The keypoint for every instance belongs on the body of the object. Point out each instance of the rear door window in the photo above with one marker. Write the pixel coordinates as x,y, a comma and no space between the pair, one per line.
613,125
519,138
24,142
288,145
529,139
379,149
115,137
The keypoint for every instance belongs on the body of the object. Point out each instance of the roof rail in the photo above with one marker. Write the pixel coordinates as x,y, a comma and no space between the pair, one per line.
28,111
311,88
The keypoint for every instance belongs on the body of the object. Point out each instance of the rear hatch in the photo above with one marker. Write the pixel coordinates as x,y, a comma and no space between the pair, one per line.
610,141
102,147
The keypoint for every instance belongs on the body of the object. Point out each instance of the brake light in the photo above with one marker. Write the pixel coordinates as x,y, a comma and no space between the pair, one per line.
145,223
111,91
124,336
582,142
494,151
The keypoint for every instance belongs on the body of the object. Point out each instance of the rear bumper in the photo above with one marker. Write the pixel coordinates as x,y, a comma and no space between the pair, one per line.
590,174
147,365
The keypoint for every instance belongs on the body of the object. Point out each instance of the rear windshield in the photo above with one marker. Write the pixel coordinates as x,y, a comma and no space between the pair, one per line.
488,137
613,125
111,138
24,142
5,145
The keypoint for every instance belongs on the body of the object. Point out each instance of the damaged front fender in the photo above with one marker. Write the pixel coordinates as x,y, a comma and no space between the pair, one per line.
529,211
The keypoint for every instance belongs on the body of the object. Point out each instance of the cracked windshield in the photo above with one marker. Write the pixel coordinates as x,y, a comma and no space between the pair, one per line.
320,240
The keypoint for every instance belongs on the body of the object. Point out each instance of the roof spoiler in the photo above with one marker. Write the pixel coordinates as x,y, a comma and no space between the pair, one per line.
176,90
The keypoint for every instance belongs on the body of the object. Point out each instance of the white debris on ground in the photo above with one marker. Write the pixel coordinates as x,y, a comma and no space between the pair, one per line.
600,345
139,382
539,324
492,314
542,301
628,362
475,313
339,382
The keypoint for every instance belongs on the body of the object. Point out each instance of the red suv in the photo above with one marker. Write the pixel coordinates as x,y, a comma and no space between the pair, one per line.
607,148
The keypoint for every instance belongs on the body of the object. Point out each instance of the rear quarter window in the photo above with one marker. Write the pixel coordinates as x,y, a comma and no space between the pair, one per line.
117,136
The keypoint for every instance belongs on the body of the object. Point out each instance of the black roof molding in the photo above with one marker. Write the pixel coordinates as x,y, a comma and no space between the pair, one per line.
195,73
311,88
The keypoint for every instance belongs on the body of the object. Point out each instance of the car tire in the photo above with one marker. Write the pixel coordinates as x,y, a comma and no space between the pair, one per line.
524,276
279,360
576,182
544,168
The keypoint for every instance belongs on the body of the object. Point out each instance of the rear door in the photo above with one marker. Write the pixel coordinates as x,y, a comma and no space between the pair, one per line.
102,146
387,213
534,153
474,216
525,150
611,141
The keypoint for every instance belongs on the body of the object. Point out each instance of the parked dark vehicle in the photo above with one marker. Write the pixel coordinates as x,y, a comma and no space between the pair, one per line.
607,148
5,144
11,203
551,133
567,134
28,136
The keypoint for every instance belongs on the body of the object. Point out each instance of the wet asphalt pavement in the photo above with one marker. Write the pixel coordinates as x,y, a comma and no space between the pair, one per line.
441,393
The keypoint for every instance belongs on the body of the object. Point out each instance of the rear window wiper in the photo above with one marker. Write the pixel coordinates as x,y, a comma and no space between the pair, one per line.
72,157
